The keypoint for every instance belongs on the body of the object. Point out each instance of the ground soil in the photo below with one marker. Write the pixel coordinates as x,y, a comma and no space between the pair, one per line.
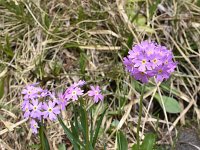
188,139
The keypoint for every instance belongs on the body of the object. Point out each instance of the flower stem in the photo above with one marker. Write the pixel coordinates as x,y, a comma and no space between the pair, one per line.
41,133
140,116
43,139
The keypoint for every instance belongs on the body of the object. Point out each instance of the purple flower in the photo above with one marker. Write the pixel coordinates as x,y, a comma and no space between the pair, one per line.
36,108
73,93
50,110
24,103
148,59
44,93
62,102
161,73
128,64
139,75
155,60
34,126
95,92
27,110
142,63
31,92
79,83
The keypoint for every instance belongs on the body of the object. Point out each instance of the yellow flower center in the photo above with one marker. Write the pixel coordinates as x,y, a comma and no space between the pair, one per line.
142,73
150,52
29,92
74,93
161,53
96,92
49,109
160,71
155,60
136,53
34,107
144,61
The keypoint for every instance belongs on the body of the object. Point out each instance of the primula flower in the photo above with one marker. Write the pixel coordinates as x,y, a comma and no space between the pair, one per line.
24,103
62,102
139,75
148,59
79,83
27,110
44,93
161,73
50,110
31,92
73,93
34,126
36,109
142,63
95,92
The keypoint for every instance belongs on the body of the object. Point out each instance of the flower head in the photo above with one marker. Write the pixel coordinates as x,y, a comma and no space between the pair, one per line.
34,126
95,92
50,110
36,108
62,101
148,59
27,110
73,93
31,92
79,83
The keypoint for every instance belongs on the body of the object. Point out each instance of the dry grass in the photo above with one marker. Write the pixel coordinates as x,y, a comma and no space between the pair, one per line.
60,41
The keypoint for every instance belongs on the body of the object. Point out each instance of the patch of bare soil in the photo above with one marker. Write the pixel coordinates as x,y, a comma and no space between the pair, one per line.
188,140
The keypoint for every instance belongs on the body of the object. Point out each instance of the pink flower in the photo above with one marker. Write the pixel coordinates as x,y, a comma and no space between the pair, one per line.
62,102
95,92
50,110
31,92
34,126
36,109
27,110
73,93
79,83
148,59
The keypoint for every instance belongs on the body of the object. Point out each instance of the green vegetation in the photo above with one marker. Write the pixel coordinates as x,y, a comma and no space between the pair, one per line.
58,42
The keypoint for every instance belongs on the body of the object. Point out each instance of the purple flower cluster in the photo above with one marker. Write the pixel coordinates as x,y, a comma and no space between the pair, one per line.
95,92
75,91
41,104
148,59
35,105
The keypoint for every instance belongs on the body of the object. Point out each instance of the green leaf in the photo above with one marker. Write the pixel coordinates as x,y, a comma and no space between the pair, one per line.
153,7
7,48
34,146
115,123
140,20
134,147
1,87
98,128
43,139
47,21
82,62
75,132
122,143
149,142
69,134
171,105
56,68
62,147
84,123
